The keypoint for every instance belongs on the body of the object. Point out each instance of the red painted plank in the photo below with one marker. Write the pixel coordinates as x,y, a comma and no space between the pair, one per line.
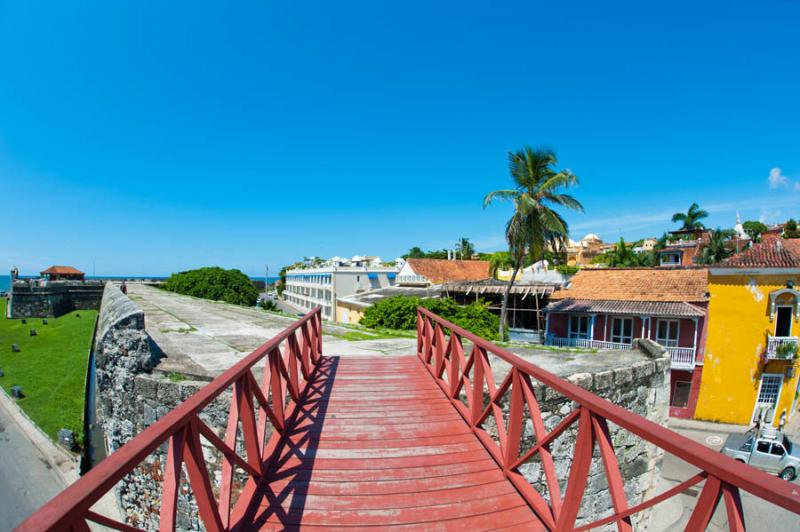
290,498
338,486
390,517
521,517
408,473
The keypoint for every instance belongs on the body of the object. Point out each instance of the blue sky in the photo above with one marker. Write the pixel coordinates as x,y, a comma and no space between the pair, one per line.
141,138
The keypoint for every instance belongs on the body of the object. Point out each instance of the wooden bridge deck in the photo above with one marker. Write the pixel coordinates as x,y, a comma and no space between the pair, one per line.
377,444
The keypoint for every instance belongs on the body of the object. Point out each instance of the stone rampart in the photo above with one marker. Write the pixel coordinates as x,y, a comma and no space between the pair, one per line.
131,396
33,298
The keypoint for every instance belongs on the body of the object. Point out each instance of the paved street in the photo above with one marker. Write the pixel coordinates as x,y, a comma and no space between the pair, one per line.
760,515
28,479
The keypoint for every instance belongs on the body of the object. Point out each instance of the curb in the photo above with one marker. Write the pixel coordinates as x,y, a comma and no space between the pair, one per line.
64,463
706,426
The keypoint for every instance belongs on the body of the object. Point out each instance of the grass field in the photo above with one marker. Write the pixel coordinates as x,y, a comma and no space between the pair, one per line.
51,367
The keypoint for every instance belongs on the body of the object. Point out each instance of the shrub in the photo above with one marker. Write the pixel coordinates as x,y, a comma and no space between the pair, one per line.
566,269
231,286
400,312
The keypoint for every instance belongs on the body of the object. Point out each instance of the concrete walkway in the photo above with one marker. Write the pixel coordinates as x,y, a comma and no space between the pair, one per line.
204,338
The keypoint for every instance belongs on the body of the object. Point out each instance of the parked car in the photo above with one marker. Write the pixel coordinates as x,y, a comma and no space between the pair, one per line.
766,449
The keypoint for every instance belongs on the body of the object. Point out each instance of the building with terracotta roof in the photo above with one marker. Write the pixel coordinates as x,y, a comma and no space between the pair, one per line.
751,353
609,308
426,272
62,273
685,250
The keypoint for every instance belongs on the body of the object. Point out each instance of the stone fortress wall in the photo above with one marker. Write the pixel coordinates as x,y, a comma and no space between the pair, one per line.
133,394
31,298
642,388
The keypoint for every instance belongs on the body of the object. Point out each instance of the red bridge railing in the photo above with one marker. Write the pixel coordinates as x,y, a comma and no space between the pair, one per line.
291,357
470,385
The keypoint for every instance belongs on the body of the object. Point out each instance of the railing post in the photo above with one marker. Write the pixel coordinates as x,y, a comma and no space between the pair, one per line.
477,385
172,478
578,474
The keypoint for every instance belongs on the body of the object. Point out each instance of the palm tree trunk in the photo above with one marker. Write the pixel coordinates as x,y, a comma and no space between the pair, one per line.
504,307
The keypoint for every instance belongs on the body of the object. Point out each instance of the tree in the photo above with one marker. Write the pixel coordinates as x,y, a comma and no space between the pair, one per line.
717,248
231,286
535,225
691,218
754,229
465,249
500,260
414,253
790,229
622,256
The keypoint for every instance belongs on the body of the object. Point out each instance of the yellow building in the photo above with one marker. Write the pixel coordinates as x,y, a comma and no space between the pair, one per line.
753,311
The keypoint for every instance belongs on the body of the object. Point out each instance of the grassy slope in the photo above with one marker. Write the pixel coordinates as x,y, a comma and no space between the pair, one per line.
51,369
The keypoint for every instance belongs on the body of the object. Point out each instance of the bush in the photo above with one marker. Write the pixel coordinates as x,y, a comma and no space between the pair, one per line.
400,312
231,286
566,269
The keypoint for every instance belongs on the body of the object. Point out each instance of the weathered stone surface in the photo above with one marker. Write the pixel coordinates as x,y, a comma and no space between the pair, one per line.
30,298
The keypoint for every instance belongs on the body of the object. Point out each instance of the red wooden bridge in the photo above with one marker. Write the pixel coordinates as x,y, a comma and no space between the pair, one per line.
403,442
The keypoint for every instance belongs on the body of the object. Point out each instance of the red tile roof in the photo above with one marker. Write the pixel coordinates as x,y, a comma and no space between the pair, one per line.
441,271
672,309
637,284
61,270
770,253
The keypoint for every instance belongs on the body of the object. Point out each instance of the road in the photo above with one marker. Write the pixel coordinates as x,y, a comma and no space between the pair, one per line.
27,480
760,515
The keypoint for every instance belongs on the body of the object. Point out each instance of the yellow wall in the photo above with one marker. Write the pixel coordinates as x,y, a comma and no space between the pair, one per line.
737,336
345,314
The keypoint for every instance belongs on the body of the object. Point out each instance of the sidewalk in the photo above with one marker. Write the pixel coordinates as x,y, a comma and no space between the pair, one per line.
63,463
43,465
792,428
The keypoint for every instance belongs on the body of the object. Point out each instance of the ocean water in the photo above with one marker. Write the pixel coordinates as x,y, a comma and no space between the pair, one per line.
5,280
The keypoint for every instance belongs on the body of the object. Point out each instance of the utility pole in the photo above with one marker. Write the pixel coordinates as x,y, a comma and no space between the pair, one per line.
266,277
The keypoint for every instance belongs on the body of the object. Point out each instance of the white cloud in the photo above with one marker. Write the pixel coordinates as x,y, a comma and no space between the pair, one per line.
777,179
797,185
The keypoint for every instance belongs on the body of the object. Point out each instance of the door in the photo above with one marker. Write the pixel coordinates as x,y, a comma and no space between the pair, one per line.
783,322
761,457
768,392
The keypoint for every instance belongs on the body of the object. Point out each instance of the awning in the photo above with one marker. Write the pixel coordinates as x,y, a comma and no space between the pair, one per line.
669,309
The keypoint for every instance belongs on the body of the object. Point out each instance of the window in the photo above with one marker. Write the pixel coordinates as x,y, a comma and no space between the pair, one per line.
763,447
622,330
670,258
680,396
777,449
579,326
667,333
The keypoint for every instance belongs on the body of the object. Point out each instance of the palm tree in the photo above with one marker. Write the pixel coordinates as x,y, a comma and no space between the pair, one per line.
500,260
535,226
621,256
717,250
691,218
465,248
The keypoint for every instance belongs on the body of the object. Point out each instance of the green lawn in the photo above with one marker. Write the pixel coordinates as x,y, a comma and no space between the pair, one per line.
51,367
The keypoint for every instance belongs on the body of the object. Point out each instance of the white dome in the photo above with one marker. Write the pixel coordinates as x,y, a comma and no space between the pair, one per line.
590,236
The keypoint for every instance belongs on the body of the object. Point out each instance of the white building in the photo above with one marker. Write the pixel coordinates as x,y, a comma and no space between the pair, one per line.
307,288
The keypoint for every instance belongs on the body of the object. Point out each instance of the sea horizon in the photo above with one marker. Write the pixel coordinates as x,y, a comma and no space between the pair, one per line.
5,280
